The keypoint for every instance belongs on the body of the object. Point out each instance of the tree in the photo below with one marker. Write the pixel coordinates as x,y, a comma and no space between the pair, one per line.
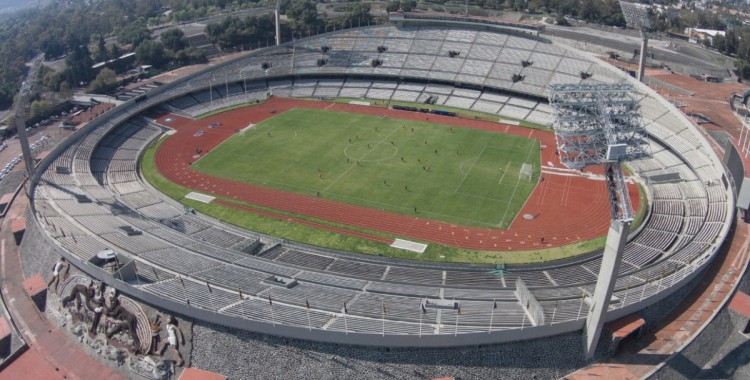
743,68
174,40
233,32
408,5
101,50
133,34
304,15
104,81
191,56
151,53
52,80
360,15
114,51
38,109
731,42
52,47
405,5
79,64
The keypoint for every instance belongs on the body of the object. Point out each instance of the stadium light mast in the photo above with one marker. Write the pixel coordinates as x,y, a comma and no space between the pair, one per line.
600,124
277,21
19,111
638,17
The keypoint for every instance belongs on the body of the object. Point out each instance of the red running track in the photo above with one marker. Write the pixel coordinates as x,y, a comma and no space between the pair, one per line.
566,207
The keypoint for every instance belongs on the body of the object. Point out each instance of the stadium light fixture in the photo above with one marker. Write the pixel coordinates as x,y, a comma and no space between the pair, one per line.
638,16
600,124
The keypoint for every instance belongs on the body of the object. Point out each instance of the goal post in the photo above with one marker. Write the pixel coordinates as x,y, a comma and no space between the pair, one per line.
527,170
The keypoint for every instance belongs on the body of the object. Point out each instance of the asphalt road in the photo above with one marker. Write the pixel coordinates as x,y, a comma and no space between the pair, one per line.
672,52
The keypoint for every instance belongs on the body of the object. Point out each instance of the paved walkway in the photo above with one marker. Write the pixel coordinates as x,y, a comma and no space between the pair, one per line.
52,355
639,359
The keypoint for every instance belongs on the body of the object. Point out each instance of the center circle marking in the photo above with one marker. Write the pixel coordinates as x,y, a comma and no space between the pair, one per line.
376,150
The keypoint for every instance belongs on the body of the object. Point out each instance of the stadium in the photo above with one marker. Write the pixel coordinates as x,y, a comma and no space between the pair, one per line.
89,194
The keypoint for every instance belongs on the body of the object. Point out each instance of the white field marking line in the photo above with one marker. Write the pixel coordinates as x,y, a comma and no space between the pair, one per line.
566,192
543,195
378,160
461,166
567,179
552,167
481,197
265,147
280,185
260,152
562,174
352,166
373,204
329,106
515,188
503,176
472,167
249,126
294,136
406,209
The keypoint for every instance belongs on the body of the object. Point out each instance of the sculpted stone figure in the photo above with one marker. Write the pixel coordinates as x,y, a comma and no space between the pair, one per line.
60,269
173,341
124,319
92,298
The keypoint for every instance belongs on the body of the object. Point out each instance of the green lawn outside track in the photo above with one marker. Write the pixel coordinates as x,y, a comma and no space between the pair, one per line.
455,175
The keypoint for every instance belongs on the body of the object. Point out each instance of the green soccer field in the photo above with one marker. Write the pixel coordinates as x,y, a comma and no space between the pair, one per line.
450,174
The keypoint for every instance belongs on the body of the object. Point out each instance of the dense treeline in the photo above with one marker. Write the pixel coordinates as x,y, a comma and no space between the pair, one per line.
58,31
77,31
304,20
234,32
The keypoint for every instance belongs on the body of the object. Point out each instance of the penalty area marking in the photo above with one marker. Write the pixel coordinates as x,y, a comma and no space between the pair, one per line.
409,245
200,197
249,126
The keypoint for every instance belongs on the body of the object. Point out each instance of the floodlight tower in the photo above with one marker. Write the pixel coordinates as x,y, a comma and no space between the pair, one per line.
600,124
277,21
19,111
638,17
